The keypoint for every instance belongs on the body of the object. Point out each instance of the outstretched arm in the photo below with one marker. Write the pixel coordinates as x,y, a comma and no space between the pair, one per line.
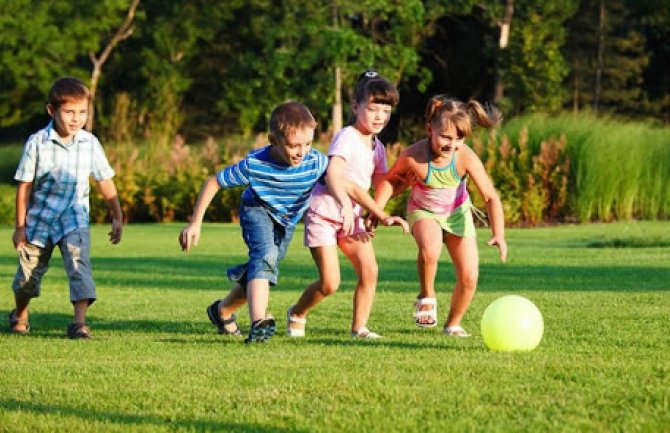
190,235
494,207
108,190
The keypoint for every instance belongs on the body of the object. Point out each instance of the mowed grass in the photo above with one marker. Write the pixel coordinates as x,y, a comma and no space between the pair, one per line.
157,365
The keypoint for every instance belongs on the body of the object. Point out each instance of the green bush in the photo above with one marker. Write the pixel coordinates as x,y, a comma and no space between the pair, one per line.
7,204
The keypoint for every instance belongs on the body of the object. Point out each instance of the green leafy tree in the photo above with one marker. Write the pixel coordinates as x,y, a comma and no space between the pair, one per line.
40,41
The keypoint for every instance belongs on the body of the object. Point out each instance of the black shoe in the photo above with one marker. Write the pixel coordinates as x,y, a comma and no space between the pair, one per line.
214,314
261,330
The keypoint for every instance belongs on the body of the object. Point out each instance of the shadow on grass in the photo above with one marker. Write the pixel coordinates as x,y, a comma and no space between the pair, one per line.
135,420
394,275
55,324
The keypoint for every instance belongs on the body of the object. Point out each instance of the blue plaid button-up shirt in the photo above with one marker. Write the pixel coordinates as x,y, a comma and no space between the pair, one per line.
60,176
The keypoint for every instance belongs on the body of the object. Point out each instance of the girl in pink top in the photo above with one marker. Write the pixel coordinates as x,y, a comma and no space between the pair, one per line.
357,155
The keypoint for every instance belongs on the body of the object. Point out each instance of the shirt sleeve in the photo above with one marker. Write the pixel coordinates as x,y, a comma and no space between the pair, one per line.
100,169
234,175
341,145
25,172
381,165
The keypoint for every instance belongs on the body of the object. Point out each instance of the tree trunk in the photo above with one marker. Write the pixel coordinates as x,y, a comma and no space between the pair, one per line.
503,42
599,66
337,105
123,32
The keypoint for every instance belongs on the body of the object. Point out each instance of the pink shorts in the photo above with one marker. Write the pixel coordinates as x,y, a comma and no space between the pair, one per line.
321,231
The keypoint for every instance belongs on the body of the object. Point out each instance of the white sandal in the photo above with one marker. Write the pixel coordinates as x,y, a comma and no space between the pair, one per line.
456,331
293,319
365,333
420,314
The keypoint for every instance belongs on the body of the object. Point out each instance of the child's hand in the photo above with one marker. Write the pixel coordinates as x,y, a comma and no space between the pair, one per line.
397,221
348,219
117,229
502,246
371,223
189,237
19,238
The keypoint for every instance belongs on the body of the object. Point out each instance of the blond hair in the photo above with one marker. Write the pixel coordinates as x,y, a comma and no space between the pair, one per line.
443,110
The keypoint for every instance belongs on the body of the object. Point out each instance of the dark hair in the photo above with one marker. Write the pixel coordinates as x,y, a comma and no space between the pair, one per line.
372,87
288,117
443,110
67,89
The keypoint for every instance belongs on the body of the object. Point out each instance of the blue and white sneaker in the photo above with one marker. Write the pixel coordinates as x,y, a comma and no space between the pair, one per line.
261,330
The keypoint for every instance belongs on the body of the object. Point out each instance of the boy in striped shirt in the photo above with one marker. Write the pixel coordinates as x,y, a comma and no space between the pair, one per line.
279,179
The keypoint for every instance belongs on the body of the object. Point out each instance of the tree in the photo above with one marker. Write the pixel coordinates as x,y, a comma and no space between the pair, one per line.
122,32
607,65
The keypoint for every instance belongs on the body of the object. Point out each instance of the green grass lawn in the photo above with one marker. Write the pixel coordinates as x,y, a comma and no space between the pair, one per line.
156,363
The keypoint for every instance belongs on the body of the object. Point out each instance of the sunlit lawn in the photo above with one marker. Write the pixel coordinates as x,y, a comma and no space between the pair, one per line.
156,364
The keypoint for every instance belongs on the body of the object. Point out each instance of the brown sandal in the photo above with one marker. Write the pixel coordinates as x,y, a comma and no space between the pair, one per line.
15,321
79,331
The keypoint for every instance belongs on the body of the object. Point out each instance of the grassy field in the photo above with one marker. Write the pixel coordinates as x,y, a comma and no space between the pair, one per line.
157,365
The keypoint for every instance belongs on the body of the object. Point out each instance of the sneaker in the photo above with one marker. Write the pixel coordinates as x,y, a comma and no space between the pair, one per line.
365,333
456,331
261,330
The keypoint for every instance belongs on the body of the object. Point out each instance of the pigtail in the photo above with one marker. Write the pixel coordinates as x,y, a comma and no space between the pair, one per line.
486,116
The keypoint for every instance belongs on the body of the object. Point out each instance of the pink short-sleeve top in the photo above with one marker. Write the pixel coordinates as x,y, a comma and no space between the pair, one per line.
361,163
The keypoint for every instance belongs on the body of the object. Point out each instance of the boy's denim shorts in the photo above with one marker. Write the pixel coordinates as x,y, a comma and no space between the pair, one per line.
34,263
267,241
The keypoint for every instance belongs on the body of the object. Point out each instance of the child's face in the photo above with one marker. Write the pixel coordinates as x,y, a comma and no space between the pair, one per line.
444,140
372,117
293,148
69,117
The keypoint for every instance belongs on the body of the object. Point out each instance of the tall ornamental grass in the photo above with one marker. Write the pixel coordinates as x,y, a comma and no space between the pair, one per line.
619,170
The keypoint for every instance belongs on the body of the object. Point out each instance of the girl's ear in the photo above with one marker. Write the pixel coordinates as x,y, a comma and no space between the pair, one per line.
429,129
272,139
50,110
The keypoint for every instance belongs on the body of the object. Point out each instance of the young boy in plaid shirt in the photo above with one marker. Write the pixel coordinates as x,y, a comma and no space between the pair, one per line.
52,205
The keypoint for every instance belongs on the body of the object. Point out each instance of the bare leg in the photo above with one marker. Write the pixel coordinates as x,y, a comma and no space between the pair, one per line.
464,254
258,295
21,311
328,264
360,252
233,300
80,308
428,236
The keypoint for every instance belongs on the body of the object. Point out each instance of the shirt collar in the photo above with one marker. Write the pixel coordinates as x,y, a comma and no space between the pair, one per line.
52,135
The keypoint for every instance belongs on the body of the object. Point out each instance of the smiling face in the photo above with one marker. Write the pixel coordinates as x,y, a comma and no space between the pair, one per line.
372,117
292,149
444,140
69,117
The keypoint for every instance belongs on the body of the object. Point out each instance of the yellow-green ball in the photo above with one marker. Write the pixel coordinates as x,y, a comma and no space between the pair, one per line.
512,323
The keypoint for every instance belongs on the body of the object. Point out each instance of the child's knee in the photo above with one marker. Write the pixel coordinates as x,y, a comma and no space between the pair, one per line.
469,280
329,286
26,288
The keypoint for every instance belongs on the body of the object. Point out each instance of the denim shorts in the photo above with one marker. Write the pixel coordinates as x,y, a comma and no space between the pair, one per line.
267,241
34,263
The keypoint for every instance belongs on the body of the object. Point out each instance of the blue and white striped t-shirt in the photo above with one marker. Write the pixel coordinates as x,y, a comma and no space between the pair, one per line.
281,188
59,174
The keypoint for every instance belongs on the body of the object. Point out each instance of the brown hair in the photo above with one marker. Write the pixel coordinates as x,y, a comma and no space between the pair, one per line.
67,89
372,87
443,110
288,117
